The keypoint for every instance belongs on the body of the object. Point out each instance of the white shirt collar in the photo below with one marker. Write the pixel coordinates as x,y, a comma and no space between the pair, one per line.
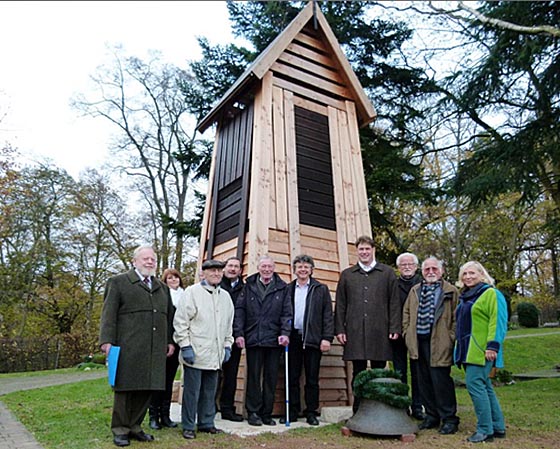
367,268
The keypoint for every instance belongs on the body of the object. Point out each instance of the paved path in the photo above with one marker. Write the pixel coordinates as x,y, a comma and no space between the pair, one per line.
13,434
531,335
11,384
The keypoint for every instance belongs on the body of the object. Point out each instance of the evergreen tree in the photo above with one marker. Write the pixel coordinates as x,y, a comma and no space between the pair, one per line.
373,47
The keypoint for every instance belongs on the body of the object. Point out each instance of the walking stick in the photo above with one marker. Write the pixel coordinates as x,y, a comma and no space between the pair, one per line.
287,387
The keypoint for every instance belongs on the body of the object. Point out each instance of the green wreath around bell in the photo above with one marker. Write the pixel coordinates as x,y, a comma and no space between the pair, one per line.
393,394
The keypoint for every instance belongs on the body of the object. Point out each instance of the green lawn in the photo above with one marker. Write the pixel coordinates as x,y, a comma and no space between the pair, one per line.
76,416
532,331
522,355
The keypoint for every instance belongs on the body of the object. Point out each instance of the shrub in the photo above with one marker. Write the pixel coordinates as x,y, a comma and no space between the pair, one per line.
504,377
528,314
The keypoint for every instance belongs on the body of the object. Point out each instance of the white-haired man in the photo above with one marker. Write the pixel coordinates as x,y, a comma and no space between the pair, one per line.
407,264
262,325
429,332
137,316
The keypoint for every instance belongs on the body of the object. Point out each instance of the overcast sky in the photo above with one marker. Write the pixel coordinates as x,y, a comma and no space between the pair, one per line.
49,49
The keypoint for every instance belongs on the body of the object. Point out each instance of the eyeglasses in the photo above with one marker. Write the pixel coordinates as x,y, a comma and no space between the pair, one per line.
407,265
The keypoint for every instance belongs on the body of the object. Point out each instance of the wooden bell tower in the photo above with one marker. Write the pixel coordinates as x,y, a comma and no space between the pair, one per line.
287,176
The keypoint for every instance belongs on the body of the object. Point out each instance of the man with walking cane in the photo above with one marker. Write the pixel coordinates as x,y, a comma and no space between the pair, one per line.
311,335
262,326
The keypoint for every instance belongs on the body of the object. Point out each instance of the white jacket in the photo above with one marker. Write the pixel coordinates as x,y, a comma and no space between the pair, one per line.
204,321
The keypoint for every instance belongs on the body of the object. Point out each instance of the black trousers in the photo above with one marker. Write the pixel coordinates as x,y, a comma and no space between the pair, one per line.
310,360
161,398
229,381
357,367
400,362
259,398
129,411
437,389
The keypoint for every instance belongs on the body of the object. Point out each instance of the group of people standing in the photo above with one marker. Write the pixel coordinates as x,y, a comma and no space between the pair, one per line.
442,326
205,327
378,317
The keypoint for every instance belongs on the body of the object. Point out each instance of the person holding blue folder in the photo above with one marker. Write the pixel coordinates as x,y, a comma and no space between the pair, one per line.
137,317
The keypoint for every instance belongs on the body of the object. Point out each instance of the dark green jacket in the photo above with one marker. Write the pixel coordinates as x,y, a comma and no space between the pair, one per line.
140,321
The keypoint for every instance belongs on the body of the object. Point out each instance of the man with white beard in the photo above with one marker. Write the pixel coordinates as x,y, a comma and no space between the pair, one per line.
429,332
137,316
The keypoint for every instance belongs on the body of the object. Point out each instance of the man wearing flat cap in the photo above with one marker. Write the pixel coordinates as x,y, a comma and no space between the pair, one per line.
203,331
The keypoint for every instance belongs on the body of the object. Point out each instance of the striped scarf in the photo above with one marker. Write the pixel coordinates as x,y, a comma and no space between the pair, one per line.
426,308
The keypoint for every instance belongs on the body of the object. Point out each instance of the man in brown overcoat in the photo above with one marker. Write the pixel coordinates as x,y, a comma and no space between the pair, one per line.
137,316
367,311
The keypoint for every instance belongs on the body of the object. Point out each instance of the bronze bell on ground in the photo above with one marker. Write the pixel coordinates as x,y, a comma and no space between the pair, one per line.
376,418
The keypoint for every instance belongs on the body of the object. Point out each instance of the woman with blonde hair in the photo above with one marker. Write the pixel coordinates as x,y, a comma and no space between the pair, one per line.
160,405
480,333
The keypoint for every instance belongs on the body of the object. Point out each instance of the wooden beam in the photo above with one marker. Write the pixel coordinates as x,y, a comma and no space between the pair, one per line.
311,41
278,45
338,186
311,66
347,177
310,94
281,212
312,80
206,225
291,175
311,105
259,199
311,55
363,223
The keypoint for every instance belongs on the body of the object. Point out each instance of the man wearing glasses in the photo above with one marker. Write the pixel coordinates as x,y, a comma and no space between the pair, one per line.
407,263
429,332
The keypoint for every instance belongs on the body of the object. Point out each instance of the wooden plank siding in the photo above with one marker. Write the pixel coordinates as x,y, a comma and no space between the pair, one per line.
228,194
287,174
305,62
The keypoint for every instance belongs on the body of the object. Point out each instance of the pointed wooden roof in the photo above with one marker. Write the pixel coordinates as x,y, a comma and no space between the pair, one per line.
261,65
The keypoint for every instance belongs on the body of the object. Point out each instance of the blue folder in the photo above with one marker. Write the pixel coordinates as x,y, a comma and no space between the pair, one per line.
112,363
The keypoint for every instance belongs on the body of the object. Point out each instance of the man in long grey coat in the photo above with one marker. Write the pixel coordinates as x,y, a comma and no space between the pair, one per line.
367,311
137,316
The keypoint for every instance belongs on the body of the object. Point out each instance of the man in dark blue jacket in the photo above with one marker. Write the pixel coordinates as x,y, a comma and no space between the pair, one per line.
263,314
312,334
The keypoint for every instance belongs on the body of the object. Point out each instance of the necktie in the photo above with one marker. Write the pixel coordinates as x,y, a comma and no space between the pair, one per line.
147,281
